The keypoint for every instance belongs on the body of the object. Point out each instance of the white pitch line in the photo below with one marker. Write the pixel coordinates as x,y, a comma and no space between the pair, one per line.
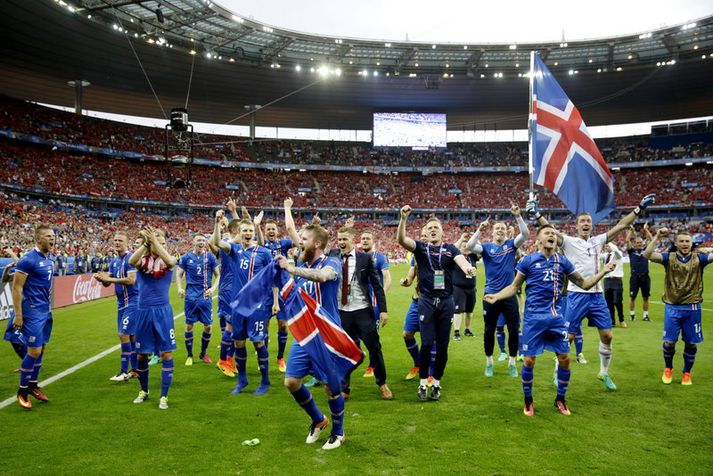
74,368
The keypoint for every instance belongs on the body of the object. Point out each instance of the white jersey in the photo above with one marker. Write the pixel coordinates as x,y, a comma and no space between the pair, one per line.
616,256
584,255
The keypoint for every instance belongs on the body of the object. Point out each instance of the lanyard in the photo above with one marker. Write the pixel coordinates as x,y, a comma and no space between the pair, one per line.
440,256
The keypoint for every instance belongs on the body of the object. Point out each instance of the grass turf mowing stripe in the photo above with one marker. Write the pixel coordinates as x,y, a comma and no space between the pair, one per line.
79,366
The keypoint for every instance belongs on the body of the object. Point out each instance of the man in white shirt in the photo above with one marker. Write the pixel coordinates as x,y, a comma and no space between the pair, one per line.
614,283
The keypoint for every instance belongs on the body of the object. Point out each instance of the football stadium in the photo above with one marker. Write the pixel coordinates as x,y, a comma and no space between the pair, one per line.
355,238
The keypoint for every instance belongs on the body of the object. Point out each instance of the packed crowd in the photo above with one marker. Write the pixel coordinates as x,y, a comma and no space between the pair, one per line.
112,178
84,232
24,117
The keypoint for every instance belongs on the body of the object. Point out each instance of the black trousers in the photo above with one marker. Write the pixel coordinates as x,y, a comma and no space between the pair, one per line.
613,293
360,325
509,309
435,321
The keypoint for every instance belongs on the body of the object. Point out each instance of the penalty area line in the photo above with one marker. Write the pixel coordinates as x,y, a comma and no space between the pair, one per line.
74,368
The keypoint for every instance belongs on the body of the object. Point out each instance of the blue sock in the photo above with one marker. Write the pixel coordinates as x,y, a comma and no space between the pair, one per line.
528,375
500,336
336,406
412,347
134,357
689,357
241,358
231,348
225,342
304,398
562,381
143,372
125,356
579,342
668,353
189,343
205,340
263,362
38,365
222,323
27,368
166,376
281,343
432,366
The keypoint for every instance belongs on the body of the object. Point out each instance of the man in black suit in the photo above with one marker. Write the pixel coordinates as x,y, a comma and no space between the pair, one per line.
355,309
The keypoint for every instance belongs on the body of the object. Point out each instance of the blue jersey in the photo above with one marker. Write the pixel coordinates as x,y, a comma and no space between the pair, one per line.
198,272
120,268
324,293
499,261
544,279
638,263
36,292
278,247
247,263
226,274
381,262
434,260
152,291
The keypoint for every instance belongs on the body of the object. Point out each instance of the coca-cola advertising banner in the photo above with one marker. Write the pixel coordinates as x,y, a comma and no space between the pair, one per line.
70,290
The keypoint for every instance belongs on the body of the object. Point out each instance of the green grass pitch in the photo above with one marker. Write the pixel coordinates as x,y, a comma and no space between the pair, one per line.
91,426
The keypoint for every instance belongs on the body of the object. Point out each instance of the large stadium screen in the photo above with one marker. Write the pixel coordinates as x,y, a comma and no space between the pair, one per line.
408,129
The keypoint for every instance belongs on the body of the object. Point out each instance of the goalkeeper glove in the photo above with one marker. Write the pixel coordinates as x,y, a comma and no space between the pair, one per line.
645,202
532,209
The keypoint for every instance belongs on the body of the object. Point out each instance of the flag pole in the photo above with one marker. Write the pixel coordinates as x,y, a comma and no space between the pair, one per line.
531,126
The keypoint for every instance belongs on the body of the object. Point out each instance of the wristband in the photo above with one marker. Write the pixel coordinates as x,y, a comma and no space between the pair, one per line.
637,210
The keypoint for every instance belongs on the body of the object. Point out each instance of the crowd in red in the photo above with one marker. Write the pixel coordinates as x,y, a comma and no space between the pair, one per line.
28,118
98,176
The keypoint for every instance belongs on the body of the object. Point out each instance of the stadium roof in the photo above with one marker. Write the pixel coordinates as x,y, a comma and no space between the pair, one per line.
232,62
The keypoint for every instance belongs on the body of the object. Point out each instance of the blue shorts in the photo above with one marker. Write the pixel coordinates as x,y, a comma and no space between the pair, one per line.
542,332
253,327
411,321
154,330
199,310
684,319
593,306
36,330
126,320
224,309
299,364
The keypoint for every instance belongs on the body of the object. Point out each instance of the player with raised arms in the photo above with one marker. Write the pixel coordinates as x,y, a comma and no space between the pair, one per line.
154,317
436,261
682,297
544,326
583,251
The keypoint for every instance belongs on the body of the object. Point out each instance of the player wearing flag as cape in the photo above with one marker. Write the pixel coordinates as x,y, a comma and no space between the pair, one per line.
318,275
123,277
436,261
199,268
154,317
32,316
248,258
280,247
682,297
499,260
544,325
583,251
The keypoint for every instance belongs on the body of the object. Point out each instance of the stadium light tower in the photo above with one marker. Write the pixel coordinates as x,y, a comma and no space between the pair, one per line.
78,85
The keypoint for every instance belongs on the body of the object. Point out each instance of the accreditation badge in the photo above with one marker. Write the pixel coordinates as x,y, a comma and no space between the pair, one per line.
439,280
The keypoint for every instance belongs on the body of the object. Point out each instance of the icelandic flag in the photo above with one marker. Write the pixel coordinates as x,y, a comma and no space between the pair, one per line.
332,351
564,158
